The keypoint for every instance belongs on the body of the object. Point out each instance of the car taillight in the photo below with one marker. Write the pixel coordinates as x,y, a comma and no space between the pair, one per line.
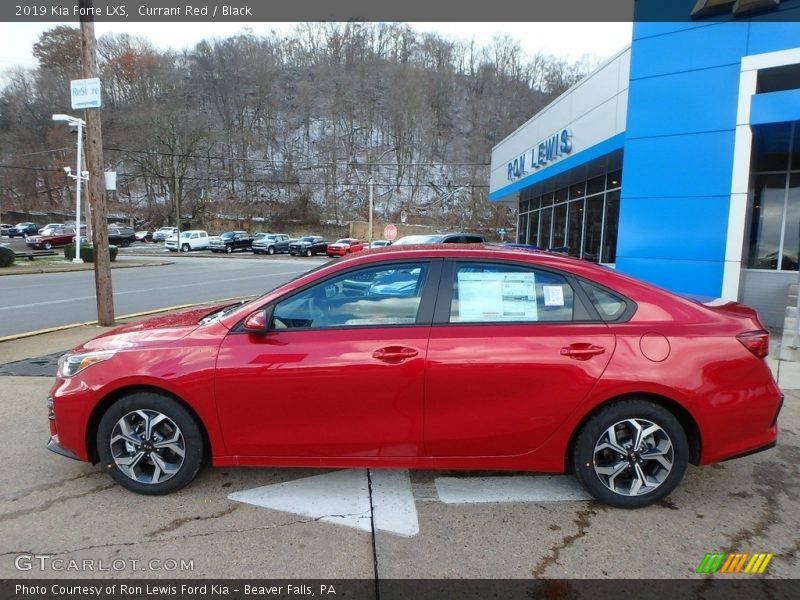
755,341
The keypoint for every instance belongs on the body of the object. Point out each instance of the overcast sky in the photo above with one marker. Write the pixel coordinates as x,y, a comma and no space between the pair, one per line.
570,40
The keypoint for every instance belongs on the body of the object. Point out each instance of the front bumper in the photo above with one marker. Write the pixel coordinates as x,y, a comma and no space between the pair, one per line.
54,446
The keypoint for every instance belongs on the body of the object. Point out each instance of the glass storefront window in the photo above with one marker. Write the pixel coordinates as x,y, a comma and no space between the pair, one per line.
765,228
577,191
593,228
559,226
774,228
575,227
544,230
533,229
611,223
582,216
791,235
596,185
522,228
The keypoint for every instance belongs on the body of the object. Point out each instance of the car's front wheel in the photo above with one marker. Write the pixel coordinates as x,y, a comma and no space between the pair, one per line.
271,250
631,454
150,443
228,249
308,252
185,248
47,245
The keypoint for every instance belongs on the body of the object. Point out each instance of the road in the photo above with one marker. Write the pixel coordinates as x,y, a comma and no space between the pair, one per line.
39,301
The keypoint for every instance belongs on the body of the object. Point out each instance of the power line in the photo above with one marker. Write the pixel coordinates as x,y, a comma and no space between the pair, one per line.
266,181
297,162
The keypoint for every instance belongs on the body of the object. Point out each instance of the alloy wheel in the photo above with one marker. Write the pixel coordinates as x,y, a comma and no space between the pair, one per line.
633,457
147,446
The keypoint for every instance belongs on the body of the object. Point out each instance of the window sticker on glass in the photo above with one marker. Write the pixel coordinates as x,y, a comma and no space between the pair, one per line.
553,295
497,297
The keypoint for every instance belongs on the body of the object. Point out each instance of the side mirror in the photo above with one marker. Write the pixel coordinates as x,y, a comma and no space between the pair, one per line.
257,323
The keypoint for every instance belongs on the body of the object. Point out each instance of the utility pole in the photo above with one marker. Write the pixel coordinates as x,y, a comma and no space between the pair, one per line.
96,186
369,227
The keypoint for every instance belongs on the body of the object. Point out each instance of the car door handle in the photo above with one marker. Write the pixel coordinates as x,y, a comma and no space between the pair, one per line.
394,353
582,351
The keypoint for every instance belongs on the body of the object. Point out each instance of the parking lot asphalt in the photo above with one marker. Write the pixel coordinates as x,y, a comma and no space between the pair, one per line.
364,524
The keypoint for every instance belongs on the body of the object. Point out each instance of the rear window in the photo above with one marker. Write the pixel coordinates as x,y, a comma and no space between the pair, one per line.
610,306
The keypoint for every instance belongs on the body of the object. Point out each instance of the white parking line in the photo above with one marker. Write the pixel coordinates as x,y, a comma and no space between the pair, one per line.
393,507
522,488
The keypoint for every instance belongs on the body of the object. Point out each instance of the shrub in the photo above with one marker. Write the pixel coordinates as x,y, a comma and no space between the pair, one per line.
6,256
87,252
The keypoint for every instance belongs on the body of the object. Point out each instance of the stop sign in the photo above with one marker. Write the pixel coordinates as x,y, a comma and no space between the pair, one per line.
390,232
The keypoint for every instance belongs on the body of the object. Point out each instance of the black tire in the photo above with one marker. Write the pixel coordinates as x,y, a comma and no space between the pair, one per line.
126,243
667,440
129,408
47,245
185,248
309,252
271,250
228,249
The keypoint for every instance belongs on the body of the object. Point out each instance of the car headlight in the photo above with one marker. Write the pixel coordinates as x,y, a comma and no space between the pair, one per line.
72,364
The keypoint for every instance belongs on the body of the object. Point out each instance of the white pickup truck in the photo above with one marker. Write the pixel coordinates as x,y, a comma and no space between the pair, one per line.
193,239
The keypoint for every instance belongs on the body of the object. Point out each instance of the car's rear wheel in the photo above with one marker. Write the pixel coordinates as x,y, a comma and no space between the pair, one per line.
185,248
631,454
150,443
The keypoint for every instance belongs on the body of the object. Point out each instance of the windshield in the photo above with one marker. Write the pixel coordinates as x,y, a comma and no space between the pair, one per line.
308,238
227,234
418,239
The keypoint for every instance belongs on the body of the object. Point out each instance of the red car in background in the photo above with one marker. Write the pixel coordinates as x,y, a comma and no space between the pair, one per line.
345,246
57,236
485,358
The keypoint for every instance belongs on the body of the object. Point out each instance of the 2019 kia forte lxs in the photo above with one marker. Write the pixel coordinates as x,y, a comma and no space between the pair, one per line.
433,357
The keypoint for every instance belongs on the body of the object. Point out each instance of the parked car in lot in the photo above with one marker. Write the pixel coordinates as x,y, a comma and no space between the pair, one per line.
441,238
144,236
5,228
344,246
191,239
308,246
588,371
231,241
380,243
272,243
121,236
23,229
165,232
52,238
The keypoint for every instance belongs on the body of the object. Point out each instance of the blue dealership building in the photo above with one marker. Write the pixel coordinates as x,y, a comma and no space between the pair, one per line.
677,160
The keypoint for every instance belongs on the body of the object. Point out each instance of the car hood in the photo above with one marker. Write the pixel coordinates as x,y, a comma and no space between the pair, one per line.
301,243
155,331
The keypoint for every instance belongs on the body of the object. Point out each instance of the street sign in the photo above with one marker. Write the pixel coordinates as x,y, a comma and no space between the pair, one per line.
85,93
390,233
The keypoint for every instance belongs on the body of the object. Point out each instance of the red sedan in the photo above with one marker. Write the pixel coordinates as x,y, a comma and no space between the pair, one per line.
468,357
344,246
58,236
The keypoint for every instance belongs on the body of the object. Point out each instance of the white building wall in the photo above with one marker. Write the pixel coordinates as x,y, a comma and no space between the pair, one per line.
595,109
